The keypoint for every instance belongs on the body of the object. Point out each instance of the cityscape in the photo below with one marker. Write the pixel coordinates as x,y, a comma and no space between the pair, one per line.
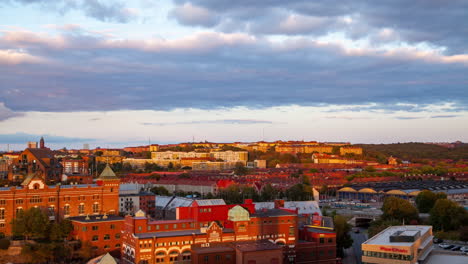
233,132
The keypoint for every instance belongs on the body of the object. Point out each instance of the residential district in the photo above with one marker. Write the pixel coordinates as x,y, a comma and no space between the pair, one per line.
252,203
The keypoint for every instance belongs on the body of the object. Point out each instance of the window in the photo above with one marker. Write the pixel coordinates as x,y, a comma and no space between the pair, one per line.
330,240
174,226
2,202
139,228
19,201
106,246
85,228
291,230
81,209
35,199
117,245
95,208
66,209
206,258
322,240
95,228
218,257
19,210
157,227
95,238
2,213
106,237
51,199
117,236
51,210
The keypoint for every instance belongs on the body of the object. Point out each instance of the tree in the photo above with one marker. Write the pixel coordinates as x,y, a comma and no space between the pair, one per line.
240,169
447,215
399,209
299,192
160,190
343,238
60,231
268,193
32,223
426,200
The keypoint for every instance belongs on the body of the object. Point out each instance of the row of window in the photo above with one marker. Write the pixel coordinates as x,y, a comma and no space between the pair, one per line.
95,228
38,199
106,237
387,255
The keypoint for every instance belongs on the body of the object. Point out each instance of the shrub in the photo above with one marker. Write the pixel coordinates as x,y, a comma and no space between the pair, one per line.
4,243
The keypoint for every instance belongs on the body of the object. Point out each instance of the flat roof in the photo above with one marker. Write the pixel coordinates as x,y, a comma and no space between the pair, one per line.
383,238
169,233
257,246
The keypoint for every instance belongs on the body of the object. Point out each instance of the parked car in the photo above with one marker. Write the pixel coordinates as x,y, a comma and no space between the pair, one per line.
438,240
456,248
464,249
450,247
444,245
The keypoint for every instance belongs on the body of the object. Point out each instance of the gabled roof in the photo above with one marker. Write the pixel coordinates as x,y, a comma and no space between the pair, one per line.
29,178
107,259
107,174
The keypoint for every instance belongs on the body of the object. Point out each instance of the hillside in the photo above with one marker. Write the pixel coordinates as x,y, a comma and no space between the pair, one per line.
412,151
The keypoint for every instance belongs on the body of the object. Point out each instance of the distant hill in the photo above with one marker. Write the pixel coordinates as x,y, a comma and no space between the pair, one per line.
412,151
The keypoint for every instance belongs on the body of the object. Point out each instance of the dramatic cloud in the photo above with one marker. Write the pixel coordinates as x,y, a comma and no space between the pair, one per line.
440,23
106,11
86,71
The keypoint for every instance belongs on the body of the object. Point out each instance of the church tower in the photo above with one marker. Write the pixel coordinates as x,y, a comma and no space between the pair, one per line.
110,191
42,143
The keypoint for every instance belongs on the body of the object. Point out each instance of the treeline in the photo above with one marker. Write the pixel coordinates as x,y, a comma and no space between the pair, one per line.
445,216
414,151
236,194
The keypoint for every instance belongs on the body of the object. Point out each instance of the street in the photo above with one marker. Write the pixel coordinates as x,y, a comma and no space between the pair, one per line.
354,253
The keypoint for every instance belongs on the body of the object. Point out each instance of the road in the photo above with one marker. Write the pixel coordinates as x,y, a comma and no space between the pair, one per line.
358,239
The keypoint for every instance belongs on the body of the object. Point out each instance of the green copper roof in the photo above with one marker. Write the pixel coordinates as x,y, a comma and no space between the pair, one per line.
107,173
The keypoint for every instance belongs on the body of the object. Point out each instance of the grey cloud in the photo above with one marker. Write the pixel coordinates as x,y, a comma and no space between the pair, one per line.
444,116
433,22
97,9
6,113
19,138
92,73
224,121
192,15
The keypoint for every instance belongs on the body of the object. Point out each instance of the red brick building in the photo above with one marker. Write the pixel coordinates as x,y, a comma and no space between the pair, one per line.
59,200
209,231
104,232
40,161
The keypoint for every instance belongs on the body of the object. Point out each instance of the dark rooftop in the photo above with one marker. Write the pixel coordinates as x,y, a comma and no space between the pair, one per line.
272,213
259,245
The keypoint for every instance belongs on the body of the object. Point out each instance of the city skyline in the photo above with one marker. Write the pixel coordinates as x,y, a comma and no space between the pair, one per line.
114,72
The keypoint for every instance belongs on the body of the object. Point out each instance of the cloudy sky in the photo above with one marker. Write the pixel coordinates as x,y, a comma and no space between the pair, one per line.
121,72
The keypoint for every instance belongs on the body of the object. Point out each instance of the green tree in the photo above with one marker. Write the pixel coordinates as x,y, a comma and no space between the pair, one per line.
426,200
60,231
240,169
32,223
399,209
447,215
343,238
160,190
268,193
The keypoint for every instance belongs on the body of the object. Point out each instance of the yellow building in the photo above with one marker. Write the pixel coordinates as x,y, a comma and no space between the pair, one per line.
350,150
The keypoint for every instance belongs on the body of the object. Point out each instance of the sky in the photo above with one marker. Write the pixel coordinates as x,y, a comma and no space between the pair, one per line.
118,73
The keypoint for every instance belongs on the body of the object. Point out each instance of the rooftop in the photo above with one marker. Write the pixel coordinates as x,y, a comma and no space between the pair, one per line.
96,218
383,238
257,246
